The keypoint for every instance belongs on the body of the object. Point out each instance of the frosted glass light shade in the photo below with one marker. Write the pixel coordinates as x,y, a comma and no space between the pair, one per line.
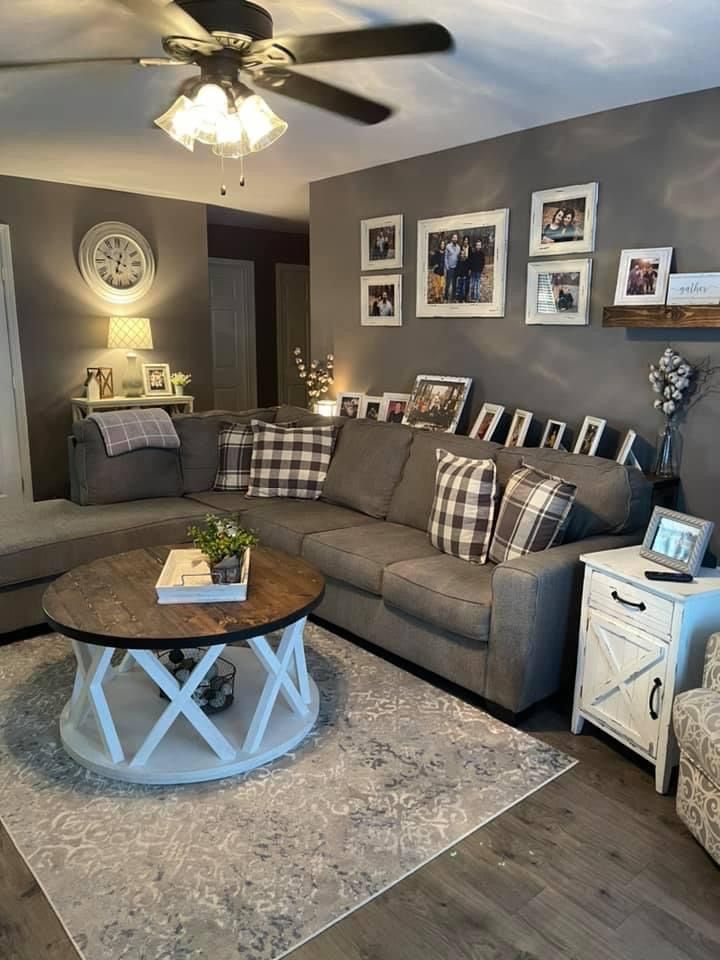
129,333
175,122
262,127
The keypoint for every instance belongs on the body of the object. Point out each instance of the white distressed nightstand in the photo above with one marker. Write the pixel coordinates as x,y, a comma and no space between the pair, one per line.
641,642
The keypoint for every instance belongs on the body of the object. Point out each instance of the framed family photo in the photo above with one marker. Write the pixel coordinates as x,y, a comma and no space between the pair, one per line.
487,421
558,292
589,437
381,301
518,428
553,435
436,403
643,276
382,243
348,405
676,540
370,407
156,380
562,220
462,265
393,406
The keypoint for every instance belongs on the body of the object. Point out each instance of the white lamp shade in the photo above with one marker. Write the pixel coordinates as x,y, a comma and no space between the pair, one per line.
129,333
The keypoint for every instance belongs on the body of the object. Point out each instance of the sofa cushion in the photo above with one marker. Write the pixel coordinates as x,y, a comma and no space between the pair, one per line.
284,523
413,496
696,719
137,475
367,465
360,555
462,514
290,461
610,497
198,434
451,594
52,536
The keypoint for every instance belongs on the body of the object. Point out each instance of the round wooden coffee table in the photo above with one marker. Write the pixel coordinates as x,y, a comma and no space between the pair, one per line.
117,723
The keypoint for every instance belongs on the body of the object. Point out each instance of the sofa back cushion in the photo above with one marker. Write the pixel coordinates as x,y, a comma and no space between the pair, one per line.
609,498
367,465
413,496
290,461
198,434
138,475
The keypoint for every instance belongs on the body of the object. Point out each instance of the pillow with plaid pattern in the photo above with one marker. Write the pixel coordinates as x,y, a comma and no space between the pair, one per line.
290,462
235,446
533,514
462,513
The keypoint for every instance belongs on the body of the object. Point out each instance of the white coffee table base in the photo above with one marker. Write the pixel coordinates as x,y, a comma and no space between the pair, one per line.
117,724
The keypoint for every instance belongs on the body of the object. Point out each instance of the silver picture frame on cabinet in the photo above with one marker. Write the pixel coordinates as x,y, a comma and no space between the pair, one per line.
676,540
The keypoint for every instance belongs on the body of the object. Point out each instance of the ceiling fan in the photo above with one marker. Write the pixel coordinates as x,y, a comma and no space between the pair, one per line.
226,38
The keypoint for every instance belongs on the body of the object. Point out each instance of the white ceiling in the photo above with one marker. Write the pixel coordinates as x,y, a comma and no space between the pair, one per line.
518,63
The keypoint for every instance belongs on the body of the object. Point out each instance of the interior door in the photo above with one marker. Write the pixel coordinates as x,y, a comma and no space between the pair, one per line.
292,304
232,319
11,454
624,677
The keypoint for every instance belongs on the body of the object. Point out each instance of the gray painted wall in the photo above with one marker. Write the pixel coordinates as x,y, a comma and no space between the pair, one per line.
63,325
658,165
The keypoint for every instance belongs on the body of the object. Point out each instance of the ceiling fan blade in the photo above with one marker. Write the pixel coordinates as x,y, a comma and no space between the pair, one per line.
323,95
392,41
168,19
163,62
34,64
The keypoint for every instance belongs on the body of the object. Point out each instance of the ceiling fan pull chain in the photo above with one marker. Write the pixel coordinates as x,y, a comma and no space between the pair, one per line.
223,188
242,170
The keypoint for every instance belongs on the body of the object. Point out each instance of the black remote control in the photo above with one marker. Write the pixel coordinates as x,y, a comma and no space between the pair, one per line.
672,577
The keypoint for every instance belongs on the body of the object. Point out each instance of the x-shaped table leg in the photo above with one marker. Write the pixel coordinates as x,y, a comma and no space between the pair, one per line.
181,701
92,665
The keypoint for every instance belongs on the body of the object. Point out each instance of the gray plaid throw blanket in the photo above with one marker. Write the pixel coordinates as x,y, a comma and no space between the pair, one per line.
126,430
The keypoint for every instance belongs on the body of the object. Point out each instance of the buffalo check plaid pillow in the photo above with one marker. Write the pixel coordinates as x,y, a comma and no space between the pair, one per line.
235,446
462,512
290,462
533,513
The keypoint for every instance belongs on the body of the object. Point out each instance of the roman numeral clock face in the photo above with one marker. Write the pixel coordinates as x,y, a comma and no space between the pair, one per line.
117,262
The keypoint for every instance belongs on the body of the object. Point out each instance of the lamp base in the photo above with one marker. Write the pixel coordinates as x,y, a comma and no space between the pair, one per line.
132,382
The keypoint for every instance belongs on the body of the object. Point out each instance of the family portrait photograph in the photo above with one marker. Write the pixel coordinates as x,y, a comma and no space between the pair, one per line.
462,265
558,293
562,220
643,276
436,403
156,379
381,240
381,301
393,406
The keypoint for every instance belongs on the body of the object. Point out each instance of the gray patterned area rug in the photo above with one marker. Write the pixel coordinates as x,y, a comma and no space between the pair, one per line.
395,772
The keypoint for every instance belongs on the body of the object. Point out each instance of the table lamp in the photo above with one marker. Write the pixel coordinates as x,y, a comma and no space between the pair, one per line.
130,333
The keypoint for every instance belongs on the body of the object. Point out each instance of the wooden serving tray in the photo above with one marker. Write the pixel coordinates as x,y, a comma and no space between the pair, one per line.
186,578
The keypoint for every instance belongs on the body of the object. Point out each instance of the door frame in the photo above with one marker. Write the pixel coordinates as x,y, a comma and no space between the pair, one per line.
252,335
282,347
10,303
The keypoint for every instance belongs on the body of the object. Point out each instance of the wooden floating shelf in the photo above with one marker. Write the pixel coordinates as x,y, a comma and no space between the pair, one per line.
677,317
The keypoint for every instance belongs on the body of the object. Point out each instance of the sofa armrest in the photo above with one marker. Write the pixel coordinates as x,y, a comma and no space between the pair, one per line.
711,674
534,620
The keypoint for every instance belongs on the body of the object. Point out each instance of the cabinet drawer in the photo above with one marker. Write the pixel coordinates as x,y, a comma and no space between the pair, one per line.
630,604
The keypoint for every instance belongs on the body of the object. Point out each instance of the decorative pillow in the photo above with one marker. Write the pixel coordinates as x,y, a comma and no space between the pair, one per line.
290,462
462,513
235,446
532,515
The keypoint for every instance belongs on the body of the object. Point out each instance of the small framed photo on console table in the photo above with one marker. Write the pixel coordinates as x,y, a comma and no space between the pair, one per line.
676,540
156,380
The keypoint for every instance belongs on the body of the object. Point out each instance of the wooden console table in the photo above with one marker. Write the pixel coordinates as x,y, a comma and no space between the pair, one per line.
82,407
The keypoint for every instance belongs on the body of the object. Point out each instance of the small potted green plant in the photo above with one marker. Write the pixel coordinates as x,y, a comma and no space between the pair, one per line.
223,543
180,380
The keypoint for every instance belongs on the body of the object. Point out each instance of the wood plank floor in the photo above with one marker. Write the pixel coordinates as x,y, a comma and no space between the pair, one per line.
595,866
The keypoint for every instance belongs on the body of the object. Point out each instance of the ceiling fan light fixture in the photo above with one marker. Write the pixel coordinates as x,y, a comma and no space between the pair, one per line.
231,140
261,125
175,122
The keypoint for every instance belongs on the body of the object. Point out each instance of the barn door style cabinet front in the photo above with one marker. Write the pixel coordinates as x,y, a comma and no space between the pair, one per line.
641,643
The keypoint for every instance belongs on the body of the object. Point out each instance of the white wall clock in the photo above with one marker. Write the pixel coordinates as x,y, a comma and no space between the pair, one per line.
116,262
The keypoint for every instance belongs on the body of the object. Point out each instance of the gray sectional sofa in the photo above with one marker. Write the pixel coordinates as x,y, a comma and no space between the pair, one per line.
501,631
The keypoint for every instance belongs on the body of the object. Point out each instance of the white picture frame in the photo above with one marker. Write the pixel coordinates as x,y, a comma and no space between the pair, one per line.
633,276
553,434
393,407
625,455
437,291
519,427
436,402
487,421
156,380
589,436
558,292
693,288
371,233
348,404
370,404
381,300
580,203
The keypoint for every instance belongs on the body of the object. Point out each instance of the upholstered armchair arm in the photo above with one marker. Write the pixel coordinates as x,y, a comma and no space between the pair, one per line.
534,620
711,675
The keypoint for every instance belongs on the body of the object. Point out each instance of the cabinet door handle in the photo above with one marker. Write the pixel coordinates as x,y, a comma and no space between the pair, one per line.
657,683
628,603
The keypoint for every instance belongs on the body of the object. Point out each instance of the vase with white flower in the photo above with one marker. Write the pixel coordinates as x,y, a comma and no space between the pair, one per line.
180,380
318,375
